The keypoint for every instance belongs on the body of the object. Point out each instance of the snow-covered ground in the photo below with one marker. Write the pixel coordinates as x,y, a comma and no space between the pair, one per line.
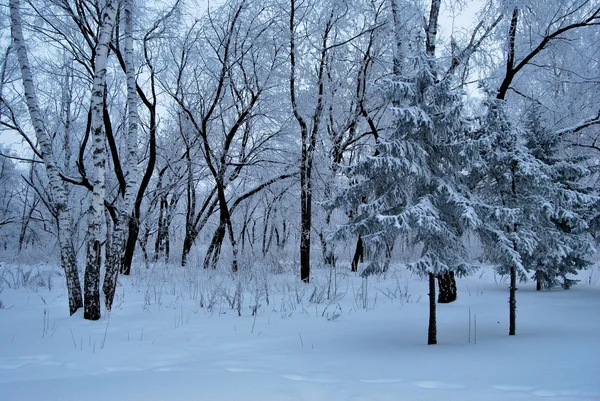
172,335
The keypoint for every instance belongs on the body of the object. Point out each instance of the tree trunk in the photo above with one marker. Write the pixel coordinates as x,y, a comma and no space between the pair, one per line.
57,190
214,249
133,231
432,330
305,201
308,138
513,300
358,254
447,286
538,283
98,136
159,243
327,251
188,241
115,263
91,284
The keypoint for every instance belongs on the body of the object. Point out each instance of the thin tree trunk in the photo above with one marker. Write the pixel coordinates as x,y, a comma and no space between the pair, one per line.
306,224
121,231
432,330
308,137
57,190
134,221
513,301
159,241
358,254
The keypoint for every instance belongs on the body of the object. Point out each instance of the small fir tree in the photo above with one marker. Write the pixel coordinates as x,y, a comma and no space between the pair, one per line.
564,245
529,206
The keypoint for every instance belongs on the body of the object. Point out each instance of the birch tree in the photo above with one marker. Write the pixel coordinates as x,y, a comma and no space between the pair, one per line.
47,154
116,256
96,219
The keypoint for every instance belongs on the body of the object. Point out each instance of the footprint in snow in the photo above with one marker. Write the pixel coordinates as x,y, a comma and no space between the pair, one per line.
504,387
382,381
20,361
309,379
548,393
170,369
123,369
439,385
239,370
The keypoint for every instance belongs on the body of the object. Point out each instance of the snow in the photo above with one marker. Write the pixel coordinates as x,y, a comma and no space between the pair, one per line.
159,344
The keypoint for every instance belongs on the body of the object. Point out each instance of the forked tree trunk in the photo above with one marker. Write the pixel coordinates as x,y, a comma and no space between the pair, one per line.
513,301
447,286
57,190
432,329
98,136
214,249
114,264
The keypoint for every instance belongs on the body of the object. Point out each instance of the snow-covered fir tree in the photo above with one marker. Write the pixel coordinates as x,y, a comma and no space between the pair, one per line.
565,244
530,204
412,185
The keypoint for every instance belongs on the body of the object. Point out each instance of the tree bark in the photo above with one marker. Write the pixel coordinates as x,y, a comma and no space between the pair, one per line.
96,219
358,254
432,329
115,263
57,190
308,137
513,301
447,286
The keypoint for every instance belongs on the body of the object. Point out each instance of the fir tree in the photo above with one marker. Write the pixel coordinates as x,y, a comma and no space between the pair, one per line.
412,185
564,244
530,203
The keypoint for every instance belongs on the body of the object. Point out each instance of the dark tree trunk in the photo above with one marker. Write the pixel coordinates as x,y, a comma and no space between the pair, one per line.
432,330
91,309
447,286
193,226
513,301
305,234
358,254
167,240
159,241
134,230
214,249
187,246
538,283
306,216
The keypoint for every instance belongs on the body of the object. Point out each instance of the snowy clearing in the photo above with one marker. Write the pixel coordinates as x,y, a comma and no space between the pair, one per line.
174,336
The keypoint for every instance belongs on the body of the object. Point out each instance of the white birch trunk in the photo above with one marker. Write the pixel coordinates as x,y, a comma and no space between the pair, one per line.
399,38
113,266
57,189
93,262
